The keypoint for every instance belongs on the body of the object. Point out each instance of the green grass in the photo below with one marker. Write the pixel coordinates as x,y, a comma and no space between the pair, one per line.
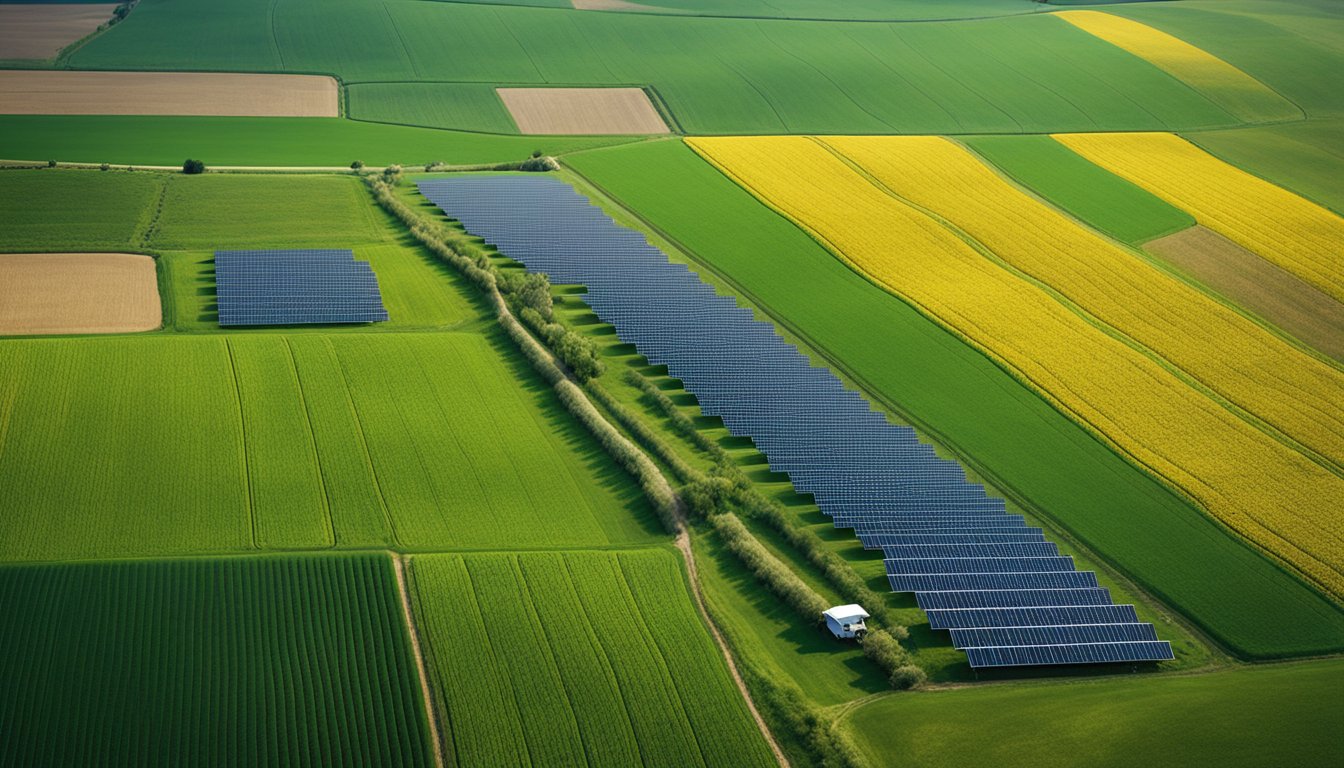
722,75
208,662
957,396
136,446
265,141
864,10
1090,193
465,106
1276,715
1306,158
59,210
554,658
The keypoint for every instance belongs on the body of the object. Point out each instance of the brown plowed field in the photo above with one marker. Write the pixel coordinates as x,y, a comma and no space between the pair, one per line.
42,293
582,110
34,92
1268,290
40,31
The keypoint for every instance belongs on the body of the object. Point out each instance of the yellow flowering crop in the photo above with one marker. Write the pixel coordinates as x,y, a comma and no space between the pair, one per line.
1292,232
1257,485
1213,345
1223,84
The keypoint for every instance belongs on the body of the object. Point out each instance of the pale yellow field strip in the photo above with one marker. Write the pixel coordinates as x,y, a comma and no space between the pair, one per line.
1266,289
1214,345
45,293
35,92
582,110
610,5
1230,88
1290,231
1258,486
40,30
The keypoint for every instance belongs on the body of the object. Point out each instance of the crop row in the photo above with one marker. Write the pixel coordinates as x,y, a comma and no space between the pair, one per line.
557,659
1253,483
1208,341
246,661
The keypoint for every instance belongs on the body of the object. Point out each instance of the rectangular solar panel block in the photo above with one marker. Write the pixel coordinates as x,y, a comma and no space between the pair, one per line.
1089,653
1012,598
1031,617
1063,634
922,582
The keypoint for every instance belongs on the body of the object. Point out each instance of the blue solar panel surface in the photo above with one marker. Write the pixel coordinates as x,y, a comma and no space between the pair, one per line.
299,287
1005,593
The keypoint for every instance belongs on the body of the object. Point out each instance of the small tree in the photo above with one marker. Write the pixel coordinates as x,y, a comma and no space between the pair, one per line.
51,163
193,166
104,167
357,165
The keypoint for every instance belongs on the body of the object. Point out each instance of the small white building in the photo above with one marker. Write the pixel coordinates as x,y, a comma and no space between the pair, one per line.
846,621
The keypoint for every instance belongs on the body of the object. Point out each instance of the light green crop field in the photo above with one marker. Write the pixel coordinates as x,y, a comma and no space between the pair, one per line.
859,10
208,662
1090,193
717,75
591,656
465,106
1286,714
265,141
135,446
1010,435
50,211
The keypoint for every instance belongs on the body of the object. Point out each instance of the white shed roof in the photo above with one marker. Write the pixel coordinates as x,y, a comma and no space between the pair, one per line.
842,612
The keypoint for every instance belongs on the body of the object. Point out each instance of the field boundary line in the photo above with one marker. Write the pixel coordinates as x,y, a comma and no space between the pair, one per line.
312,439
363,439
431,714
242,439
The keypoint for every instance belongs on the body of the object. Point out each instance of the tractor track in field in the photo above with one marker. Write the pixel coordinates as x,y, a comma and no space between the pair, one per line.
399,565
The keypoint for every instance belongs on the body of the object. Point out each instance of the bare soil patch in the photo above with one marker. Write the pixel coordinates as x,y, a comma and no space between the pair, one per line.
1266,289
43,293
582,110
40,31
36,92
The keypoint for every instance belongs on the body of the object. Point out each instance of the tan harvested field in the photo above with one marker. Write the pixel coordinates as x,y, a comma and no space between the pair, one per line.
582,110
40,31
1266,289
33,92
44,293
611,5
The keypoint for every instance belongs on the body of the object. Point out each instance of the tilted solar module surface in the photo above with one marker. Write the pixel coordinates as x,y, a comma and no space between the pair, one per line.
296,287
1004,593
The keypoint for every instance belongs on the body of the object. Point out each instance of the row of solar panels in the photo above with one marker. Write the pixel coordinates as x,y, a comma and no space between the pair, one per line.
1006,594
296,287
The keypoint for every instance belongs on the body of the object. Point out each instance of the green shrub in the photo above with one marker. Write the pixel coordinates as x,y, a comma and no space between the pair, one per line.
191,166
768,569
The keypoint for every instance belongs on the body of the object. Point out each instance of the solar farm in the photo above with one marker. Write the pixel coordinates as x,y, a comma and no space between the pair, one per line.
682,382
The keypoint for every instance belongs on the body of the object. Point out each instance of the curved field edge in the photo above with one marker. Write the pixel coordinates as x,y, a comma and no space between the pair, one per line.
1005,432
1277,714
207,662
554,657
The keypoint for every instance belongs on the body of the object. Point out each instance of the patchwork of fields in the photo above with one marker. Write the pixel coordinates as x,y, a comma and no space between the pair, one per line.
1092,256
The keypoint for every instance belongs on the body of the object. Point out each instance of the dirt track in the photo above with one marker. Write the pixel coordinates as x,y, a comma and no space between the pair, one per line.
41,30
47,293
589,111
1266,289
38,92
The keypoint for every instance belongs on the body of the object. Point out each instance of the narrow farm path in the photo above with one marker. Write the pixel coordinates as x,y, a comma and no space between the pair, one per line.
399,564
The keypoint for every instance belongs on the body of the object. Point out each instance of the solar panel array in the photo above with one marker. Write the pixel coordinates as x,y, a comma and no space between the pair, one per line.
1005,594
296,288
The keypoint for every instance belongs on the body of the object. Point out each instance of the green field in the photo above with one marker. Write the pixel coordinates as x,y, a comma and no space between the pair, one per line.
1276,715
861,10
1019,442
138,446
267,141
50,211
1307,158
465,106
242,661
555,659
1091,194
717,75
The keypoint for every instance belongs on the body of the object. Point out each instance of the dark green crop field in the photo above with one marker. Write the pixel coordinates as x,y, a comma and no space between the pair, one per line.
245,661
930,377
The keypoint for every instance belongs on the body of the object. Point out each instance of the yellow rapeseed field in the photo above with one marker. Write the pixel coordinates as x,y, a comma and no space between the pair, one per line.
1258,486
1230,88
1292,232
1220,349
